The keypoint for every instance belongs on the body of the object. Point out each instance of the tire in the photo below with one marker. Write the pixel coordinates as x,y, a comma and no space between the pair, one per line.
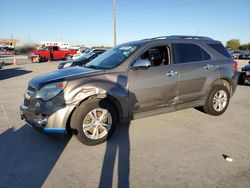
213,108
39,59
94,132
241,79
68,57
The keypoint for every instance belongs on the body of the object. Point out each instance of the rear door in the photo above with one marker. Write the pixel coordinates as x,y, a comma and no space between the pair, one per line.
194,64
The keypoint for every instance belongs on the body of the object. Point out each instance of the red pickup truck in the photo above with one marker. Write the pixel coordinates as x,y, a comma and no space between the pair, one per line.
54,53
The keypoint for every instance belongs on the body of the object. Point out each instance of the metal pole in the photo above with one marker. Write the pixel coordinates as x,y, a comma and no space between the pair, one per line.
114,12
11,39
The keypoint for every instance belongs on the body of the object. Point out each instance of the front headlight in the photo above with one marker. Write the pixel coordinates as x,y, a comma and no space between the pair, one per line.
67,65
51,90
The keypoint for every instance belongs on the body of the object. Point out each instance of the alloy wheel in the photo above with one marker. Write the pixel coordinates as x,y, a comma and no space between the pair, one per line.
97,123
220,100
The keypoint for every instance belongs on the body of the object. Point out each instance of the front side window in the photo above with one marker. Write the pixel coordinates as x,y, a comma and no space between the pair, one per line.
157,55
113,57
190,53
45,48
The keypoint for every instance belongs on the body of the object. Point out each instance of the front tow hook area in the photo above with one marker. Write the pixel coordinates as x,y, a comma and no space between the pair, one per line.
22,115
43,121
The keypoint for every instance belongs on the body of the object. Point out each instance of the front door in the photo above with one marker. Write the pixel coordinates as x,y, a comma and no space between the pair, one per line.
154,87
56,53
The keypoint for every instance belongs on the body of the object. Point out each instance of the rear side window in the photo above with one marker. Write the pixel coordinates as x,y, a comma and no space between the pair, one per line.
220,48
191,53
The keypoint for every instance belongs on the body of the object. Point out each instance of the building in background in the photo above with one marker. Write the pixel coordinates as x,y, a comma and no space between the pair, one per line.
9,42
52,43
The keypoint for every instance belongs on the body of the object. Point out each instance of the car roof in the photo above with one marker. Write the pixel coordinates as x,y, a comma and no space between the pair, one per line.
179,38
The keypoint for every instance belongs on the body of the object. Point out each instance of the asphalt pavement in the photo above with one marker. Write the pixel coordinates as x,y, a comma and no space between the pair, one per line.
181,149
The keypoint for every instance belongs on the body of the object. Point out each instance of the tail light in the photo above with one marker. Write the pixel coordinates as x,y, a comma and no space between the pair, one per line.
235,66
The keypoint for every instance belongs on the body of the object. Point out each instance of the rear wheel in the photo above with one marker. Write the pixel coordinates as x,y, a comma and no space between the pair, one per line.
94,121
218,100
68,57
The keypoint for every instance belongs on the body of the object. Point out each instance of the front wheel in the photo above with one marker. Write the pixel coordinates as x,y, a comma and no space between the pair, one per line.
218,100
94,121
68,57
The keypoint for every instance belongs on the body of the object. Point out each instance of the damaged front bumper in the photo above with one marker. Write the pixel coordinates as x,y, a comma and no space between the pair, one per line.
49,123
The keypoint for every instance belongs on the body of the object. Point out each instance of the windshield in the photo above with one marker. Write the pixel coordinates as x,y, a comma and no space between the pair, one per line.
113,57
86,55
86,51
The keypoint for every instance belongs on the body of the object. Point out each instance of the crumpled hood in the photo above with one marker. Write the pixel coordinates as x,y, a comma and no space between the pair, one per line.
61,75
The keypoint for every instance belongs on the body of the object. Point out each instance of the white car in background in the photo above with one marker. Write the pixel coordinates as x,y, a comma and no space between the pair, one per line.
78,54
81,53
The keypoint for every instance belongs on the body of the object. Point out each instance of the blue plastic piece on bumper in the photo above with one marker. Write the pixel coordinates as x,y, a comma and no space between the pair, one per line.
54,130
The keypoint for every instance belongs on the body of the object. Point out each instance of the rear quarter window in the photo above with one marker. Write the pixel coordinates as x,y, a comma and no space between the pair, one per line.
220,49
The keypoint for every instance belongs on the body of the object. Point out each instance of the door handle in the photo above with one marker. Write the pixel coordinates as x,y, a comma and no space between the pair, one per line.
171,73
208,66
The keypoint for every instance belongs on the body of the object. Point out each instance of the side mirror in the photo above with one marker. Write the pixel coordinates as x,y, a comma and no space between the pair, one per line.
141,63
248,62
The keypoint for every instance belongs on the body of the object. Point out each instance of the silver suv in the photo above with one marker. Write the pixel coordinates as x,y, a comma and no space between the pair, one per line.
132,80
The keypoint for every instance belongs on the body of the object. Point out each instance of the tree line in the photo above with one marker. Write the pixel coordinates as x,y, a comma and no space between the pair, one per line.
234,44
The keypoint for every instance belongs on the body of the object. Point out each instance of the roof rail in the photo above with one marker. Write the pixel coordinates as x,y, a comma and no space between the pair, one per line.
189,37
180,37
155,38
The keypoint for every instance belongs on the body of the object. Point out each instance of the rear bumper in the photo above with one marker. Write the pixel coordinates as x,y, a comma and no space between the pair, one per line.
234,85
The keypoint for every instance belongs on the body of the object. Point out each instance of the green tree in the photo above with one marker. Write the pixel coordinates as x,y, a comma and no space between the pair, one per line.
244,47
248,46
233,44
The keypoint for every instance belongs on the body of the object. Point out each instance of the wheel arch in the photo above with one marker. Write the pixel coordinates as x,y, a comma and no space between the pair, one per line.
116,104
226,82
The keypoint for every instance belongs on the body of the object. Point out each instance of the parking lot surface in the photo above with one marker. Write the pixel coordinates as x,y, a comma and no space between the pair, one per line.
180,149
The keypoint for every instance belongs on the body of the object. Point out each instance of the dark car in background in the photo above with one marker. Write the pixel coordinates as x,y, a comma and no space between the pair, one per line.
87,57
23,50
240,54
244,77
244,54
234,54
7,49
